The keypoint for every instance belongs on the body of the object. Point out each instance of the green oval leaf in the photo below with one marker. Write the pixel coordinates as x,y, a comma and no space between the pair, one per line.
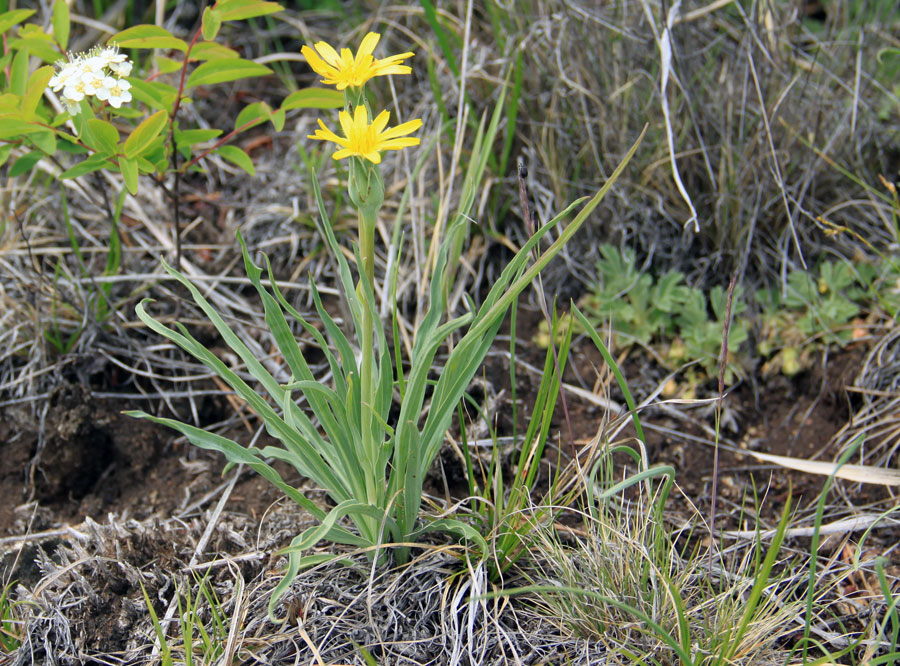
129,173
18,75
147,37
91,164
237,156
101,136
37,83
9,19
25,163
12,128
168,65
144,134
37,44
212,21
61,23
314,98
237,10
219,71
152,93
211,51
194,136
256,113
46,141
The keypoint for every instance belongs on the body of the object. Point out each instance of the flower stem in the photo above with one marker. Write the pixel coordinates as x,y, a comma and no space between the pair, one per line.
367,345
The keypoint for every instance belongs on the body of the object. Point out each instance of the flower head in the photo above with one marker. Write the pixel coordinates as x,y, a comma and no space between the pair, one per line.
114,91
365,140
96,73
346,70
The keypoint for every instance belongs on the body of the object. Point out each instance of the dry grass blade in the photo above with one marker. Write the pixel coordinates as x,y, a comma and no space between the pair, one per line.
857,473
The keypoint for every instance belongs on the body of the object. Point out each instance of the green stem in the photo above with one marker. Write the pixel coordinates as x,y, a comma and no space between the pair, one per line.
367,344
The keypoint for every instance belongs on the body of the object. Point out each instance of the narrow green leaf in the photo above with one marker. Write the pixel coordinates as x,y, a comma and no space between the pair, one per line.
37,84
9,19
237,10
431,17
239,157
129,169
144,134
313,98
219,71
61,23
147,37
101,136
212,21
25,163
5,151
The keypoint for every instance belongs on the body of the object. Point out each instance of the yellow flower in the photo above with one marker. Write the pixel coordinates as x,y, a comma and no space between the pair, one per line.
344,70
365,140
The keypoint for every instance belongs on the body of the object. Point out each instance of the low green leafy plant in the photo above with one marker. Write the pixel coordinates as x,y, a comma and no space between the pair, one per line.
682,322
78,114
370,460
685,325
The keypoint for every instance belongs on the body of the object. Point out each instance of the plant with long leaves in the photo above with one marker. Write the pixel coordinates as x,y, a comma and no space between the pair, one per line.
371,464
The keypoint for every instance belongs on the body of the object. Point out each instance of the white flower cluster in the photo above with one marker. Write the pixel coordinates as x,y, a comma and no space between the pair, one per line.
99,72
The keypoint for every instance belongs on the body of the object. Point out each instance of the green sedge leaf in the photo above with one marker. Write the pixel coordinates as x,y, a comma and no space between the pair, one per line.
144,134
129,170
147,37
256,113
239,157
238,10
212,51
25,163
18,75
45,140
152,93
61,23
9,19
101,136
314,98
5,151
91,164
212,21
167,65
219,71
37,84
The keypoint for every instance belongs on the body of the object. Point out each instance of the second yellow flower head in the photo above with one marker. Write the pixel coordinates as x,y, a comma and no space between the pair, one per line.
365,140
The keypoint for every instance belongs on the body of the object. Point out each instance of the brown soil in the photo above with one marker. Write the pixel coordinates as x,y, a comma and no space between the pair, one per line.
95,465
